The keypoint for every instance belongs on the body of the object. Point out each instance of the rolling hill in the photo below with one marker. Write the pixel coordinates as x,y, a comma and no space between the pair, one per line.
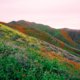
54,32
30,53
58,37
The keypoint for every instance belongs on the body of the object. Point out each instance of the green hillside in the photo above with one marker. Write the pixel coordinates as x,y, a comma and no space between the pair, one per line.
53,32
23,57
50,35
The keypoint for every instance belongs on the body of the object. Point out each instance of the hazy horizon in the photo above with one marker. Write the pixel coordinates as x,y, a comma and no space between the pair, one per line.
55,13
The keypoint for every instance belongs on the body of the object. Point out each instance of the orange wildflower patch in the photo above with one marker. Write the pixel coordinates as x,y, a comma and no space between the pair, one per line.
21,29
51,55
75,64
67,37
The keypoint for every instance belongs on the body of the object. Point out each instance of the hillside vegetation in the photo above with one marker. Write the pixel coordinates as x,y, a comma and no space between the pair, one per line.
57,37
23,57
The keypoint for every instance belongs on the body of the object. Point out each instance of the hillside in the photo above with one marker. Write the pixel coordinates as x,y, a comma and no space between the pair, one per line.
59,38
22,57
58,33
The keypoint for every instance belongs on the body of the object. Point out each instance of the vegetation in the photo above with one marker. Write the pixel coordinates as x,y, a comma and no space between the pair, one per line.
57,37
27,58
17,66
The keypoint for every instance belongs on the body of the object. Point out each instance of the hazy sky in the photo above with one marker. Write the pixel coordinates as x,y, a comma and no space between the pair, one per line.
56,13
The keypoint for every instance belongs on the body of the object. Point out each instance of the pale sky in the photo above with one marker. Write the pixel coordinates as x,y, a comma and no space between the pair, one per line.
55,13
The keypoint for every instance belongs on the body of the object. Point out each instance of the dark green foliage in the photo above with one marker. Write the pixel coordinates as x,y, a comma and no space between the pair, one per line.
34,67
15,37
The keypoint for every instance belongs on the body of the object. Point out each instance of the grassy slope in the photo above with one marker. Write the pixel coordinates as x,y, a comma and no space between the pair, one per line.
23,57
47,29
51,31
39,33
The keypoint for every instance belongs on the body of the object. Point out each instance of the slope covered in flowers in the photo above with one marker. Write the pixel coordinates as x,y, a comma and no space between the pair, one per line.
23,57
59,38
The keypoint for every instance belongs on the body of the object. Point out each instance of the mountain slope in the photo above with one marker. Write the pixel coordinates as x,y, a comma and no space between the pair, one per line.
54,32
48,34
23,56
16,38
